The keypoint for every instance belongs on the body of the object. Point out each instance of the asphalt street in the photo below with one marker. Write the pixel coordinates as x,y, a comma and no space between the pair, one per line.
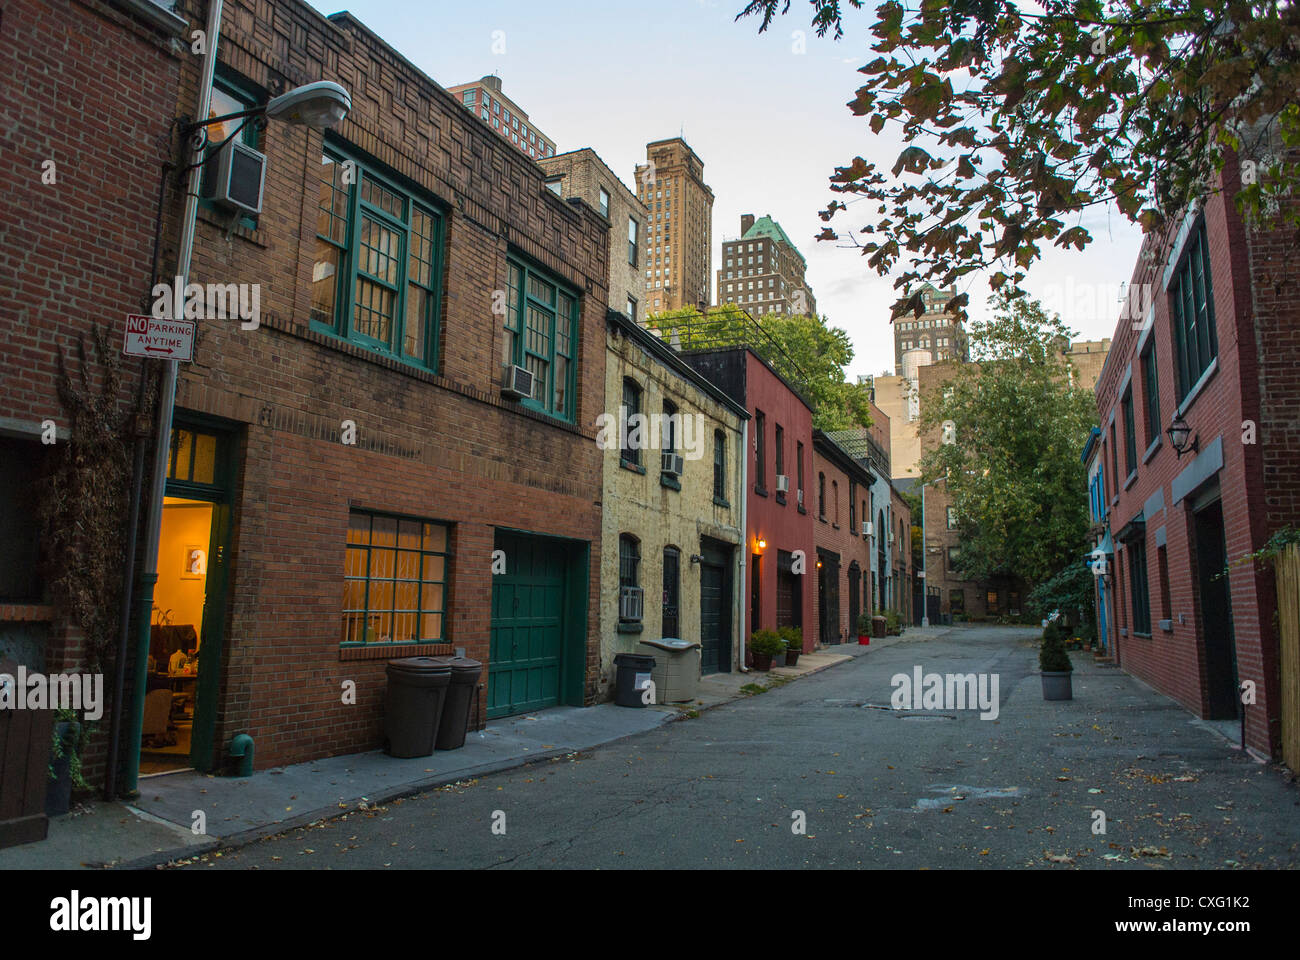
869,785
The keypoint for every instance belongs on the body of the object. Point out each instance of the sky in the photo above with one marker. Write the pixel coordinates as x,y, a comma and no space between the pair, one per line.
766,113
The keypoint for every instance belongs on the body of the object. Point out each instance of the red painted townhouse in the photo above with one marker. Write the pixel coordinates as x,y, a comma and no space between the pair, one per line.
1199,406
843,536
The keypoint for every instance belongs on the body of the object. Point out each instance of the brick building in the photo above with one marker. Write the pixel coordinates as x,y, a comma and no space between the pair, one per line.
679,244
484,99
581,173
841,503
345,470
77,222
778,517
936,332
763,271
672,505
1216,353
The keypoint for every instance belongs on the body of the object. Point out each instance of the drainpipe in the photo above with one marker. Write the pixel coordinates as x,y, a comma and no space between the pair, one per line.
166,404
742,595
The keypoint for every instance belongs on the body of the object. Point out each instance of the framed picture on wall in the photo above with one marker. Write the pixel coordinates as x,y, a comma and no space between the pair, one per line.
195,563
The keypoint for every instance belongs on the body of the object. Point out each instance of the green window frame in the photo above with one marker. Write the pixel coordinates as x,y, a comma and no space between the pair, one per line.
395,575
1130,433
376,278
1191,297
1151,391
1139,595
229,96
719,466
542,336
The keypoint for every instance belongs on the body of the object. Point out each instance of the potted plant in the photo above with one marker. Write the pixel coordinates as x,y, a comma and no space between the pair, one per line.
893,623
793,639
765,644
1055,664
65,763
864,629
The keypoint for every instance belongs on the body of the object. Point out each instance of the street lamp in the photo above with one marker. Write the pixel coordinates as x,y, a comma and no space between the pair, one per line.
316,105
1178,432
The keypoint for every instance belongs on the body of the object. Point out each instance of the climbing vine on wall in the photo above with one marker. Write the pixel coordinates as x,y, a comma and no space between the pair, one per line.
85,504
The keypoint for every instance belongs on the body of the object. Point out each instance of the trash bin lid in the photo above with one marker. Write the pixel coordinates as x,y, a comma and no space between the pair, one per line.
419,665
672,643
634,660
464,668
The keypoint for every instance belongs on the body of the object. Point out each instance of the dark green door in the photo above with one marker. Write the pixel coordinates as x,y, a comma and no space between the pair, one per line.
715,610
525,658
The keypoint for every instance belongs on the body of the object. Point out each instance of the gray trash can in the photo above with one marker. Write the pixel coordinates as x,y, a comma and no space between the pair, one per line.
456,706
634,669
677,668
417,687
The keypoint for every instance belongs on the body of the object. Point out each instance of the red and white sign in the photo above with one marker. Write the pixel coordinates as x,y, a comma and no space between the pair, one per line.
162,339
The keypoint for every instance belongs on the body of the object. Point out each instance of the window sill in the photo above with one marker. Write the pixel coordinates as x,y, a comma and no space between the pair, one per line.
669,481
821,519
1141,635
1198,386
390,651
634,467
835,526
630,627
1129,481
1151,450
760,491
780,498
719,502
803,511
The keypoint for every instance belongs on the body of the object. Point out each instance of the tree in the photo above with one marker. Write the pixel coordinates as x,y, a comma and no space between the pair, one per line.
1011,426
805,350
1018,122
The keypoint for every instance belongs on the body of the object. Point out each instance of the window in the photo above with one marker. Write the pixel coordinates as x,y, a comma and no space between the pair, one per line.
670,626
954,555
631,308
22,465
555,186
228,98
760,449
952,518
604,202
671,421
631,408
541,335
629,567
376,277
798,447
835,501
633,232
394,579
1151,392
821,496
1162,568
1114,461
780,450
470,97
1191,297
1137,571
719,465
1130,434
853,509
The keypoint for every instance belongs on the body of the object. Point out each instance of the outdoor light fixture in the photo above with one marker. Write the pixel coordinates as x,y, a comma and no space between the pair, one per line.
696,558
1179,432
317,105
762,544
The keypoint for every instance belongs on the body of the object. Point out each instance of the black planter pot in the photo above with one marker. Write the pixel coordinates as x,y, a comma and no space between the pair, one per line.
1056,685
762,662
58,793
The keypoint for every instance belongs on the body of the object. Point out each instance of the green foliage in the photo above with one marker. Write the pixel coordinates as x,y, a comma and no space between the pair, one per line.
1069,590
1012,469
1017,122
792,637
893,622
70,745
1272,549
806,350
864,624
767,643
1052,655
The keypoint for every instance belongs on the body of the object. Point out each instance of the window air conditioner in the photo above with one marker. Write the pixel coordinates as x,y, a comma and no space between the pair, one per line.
673,463
517,383
867,529
237,175
801,498
630,603
782,483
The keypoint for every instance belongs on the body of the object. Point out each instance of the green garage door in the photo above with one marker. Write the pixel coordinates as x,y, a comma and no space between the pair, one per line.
528,626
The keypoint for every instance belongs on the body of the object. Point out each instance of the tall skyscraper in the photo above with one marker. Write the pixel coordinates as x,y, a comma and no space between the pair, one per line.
484,99
934,331
763,272
679,241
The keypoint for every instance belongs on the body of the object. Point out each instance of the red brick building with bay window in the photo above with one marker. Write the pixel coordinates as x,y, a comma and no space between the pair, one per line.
1214,341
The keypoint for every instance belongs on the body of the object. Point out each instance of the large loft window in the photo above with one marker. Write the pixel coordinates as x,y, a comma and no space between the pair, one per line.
376,280
1191,299
541,335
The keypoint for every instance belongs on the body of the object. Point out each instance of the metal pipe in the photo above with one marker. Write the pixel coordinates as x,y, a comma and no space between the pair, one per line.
743,593
166,407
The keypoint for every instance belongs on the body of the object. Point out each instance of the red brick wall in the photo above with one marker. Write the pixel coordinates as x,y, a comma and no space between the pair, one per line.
1249,358
840,538
443,447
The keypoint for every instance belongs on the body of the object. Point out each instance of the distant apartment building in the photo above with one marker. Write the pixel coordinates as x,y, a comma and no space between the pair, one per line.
581,174
763,271
935,331
679,243
1088,358
484,99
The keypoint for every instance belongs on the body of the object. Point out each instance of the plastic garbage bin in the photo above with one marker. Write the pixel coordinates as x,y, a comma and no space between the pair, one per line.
460,697
634,669
417,687
677,668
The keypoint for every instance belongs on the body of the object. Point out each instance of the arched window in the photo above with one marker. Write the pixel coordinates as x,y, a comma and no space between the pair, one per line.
835,501
632,435
821,496
670,427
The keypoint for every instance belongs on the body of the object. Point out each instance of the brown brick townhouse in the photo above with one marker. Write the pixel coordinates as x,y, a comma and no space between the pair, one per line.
349,466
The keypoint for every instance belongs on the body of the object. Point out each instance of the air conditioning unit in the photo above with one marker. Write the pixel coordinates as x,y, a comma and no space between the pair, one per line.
782,483
517,383
235,177
892,538
867,529
673,463
630,604
801,498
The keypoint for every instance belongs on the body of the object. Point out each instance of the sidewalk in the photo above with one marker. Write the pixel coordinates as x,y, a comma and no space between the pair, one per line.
157,827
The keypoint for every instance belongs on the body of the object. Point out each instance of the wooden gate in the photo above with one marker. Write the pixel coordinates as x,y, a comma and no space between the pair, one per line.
1288,614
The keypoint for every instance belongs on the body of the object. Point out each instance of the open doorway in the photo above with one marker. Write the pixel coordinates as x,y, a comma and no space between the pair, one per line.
176,635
